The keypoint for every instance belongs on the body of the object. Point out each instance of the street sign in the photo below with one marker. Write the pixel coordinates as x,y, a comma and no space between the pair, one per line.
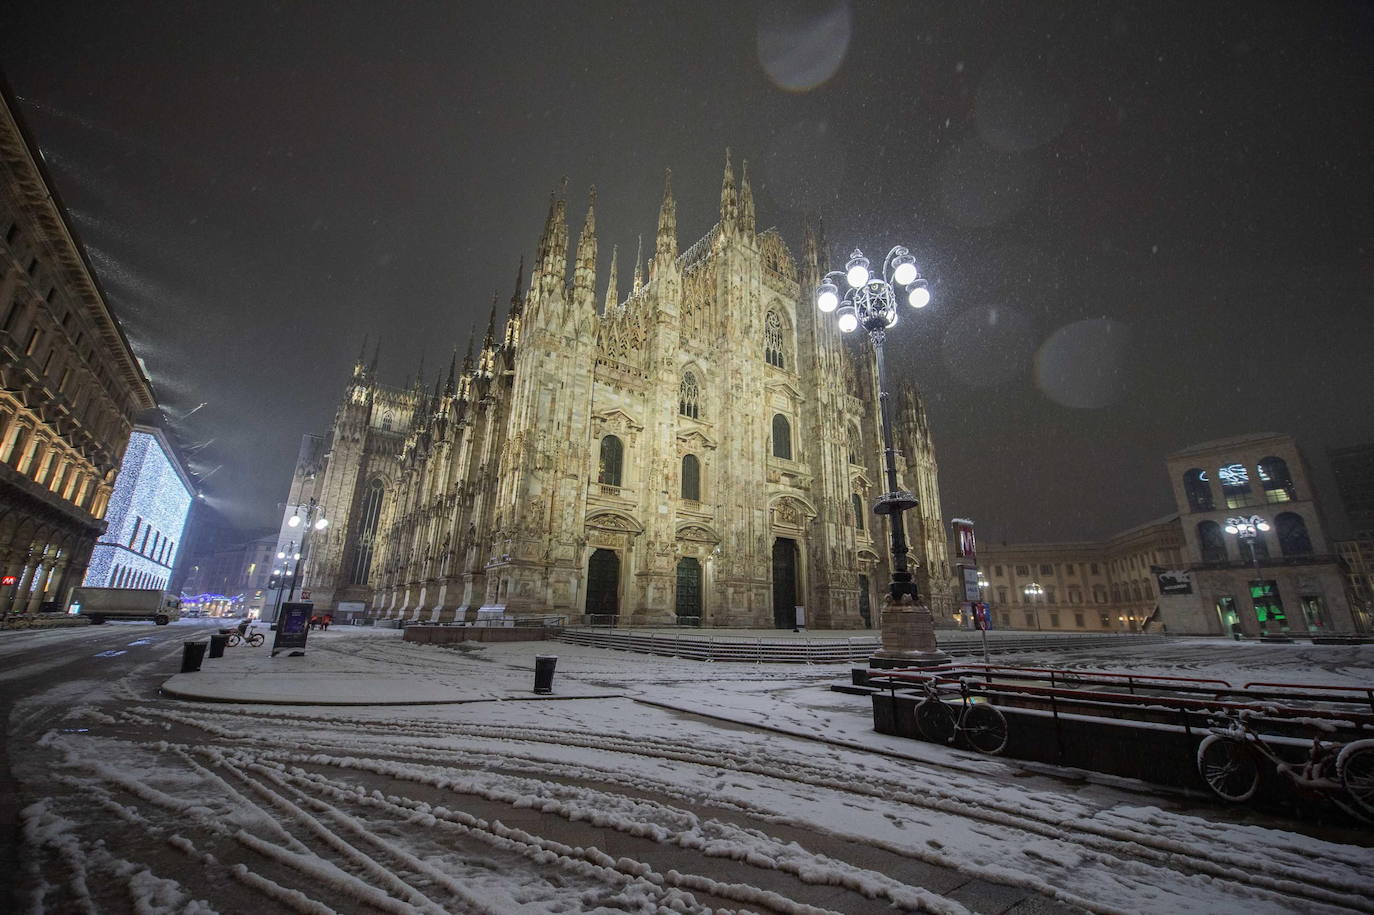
969,574
9,580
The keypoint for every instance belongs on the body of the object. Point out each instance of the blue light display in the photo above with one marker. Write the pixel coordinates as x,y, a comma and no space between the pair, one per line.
146,518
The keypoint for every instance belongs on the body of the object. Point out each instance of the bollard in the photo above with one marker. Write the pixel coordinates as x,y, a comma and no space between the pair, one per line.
192,653
217,644
543,672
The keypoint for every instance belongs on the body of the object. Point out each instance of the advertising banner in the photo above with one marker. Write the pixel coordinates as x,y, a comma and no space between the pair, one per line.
1173,582
969,575
964,546
293,625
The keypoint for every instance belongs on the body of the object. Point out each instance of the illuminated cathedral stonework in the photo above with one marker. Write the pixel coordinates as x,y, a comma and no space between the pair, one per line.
706,448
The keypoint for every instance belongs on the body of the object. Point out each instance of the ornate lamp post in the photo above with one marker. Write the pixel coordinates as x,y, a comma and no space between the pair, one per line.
870,301
1247,531
1033,593
311,523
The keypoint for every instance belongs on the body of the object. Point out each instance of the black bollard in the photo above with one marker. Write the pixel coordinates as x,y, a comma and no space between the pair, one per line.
543,672
192,653
217,645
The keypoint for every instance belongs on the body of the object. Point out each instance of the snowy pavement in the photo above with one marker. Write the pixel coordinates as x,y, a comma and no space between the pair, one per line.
784,800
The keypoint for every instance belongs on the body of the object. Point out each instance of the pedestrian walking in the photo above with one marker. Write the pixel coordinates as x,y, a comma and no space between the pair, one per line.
324,623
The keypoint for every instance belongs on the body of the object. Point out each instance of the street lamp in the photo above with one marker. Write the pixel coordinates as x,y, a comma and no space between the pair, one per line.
1247,531
311,523
870,301
1034,592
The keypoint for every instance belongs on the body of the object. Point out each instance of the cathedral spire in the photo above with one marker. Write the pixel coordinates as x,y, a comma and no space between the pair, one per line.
639,268
452,384
612,298
486,362
490,340
729,205
746,201
360,366
467,359
376,353
553,244
665,248
515,300
584,273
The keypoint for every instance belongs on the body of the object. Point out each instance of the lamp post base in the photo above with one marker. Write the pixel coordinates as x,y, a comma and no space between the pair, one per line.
908,634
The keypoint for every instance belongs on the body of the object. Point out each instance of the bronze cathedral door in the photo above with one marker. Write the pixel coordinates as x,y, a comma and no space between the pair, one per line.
784,583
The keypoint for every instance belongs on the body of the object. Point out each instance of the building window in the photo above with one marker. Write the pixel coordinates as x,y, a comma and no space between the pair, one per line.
773,351
1211,542
1054,620
1292,533
612,455
689,396
1030,620
691,477
1023,570
1275,480
856,445
367,533
858,505
1099,594
1068,568
1198,490
1078,620
997,571
1096,570
1050,597
782,437
1235,484
1046,569
133,535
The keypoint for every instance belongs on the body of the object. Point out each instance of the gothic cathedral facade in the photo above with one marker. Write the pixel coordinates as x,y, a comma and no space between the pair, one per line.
705,450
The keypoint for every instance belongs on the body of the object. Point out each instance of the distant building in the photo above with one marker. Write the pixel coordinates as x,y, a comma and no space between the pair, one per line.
1183,572
1101,585
70,385
1353,468
1358,557
147,517
1292,582
234,580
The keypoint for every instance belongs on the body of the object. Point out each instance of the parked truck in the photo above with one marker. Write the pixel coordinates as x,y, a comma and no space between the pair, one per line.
101,604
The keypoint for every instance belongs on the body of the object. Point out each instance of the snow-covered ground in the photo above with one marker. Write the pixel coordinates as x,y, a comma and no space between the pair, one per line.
782,800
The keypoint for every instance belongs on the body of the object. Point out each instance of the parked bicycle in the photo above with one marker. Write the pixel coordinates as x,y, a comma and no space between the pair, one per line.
239,636
1229,759
982,726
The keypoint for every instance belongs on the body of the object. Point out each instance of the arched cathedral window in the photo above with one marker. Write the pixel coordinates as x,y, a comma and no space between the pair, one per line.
367,533
612,452
691,477
773,350
689,396
782,437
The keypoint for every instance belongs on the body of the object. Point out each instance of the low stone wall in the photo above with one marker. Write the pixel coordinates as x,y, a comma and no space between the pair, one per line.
447,635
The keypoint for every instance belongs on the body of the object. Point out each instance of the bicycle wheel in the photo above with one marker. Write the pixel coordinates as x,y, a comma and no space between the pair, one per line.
1355,765
233,641
1228,767
256,639
935,721
985,728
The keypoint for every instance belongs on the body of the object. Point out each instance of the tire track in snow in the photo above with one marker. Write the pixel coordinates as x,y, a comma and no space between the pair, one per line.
1114,847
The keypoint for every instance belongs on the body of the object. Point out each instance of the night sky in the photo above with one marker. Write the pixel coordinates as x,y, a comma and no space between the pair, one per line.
1146,225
